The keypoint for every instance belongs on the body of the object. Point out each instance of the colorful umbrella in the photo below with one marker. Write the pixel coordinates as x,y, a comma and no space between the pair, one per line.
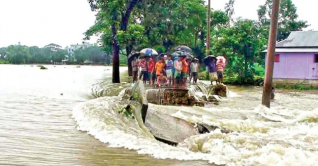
147,52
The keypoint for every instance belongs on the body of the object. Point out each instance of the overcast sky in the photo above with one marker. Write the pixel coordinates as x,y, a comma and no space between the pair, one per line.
40,22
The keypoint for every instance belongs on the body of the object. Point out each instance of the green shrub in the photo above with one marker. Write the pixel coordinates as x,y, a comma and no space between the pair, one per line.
43,68
295,86
4,61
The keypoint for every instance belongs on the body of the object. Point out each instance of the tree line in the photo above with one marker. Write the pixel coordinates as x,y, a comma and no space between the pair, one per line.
130,25
21,54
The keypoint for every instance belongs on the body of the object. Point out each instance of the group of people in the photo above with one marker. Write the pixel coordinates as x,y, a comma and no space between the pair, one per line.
215,69
165,70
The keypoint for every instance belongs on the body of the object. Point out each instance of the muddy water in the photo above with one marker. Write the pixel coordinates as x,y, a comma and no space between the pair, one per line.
283,135
36,124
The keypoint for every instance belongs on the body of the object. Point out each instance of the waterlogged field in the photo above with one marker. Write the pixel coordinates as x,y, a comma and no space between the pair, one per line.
48,118
36,124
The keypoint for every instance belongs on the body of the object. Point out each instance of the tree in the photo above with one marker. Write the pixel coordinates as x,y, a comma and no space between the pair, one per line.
229,10
18,54
114,15
287,18
242,44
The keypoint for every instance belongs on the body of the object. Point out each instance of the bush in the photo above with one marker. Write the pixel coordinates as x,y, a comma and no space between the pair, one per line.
43,68
295,86
4,61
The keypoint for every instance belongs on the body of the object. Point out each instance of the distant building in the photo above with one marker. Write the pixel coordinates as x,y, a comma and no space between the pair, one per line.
53,47
70,49
296,59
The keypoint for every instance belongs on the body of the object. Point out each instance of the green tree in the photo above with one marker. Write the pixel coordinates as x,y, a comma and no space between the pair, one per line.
229,10
92,53
242,44
287,18
38,56
18,54
113,15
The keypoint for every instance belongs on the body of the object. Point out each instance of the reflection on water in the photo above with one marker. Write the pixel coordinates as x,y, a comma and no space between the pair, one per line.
36,119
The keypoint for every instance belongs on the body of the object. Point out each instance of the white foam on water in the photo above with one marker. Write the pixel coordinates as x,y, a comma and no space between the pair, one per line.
276,136
98,119
233,94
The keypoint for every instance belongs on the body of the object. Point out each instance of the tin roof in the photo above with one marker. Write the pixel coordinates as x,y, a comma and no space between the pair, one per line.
300,39
315,50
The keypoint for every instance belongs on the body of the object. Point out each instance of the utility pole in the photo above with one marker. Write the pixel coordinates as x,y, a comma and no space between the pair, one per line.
270,55
208,29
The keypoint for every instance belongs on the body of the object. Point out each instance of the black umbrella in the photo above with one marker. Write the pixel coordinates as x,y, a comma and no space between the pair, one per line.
182,54
183,48
133,55
208,59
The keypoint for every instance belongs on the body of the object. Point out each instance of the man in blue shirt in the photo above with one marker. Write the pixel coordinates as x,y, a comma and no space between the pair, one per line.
169,67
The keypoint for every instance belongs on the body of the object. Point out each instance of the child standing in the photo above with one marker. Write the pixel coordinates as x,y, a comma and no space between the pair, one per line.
159,67
177,73
144,71
151,70
185,70
169,66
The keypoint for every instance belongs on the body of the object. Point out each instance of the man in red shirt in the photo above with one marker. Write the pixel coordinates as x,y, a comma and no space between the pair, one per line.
185,71
151,70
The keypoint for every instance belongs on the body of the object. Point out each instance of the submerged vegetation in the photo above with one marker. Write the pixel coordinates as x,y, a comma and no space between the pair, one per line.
43,68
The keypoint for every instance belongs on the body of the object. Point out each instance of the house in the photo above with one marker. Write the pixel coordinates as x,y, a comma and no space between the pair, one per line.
296,59
53,47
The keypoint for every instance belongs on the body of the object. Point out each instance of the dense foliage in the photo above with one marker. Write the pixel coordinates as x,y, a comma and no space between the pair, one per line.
20,54
131,25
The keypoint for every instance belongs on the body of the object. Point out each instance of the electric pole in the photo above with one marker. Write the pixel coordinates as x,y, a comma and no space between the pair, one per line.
208,29
268,82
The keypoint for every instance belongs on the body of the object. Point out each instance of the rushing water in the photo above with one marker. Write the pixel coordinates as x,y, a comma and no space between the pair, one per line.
43,114
36,124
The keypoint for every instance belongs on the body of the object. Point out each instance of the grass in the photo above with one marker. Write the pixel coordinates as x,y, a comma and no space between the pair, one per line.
295,86
3,61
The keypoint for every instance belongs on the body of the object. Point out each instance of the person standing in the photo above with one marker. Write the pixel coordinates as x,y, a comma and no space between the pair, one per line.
169,66
185,70
194,67
212,71
144,71
134,64
177,73
159,67
220,68
151,70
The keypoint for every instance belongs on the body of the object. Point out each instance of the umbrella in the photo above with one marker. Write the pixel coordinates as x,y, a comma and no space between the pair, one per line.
133,55
147,52
182,54
208,59
183,48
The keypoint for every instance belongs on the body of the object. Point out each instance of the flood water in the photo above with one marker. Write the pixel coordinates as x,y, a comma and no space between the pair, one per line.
48,118
36,124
